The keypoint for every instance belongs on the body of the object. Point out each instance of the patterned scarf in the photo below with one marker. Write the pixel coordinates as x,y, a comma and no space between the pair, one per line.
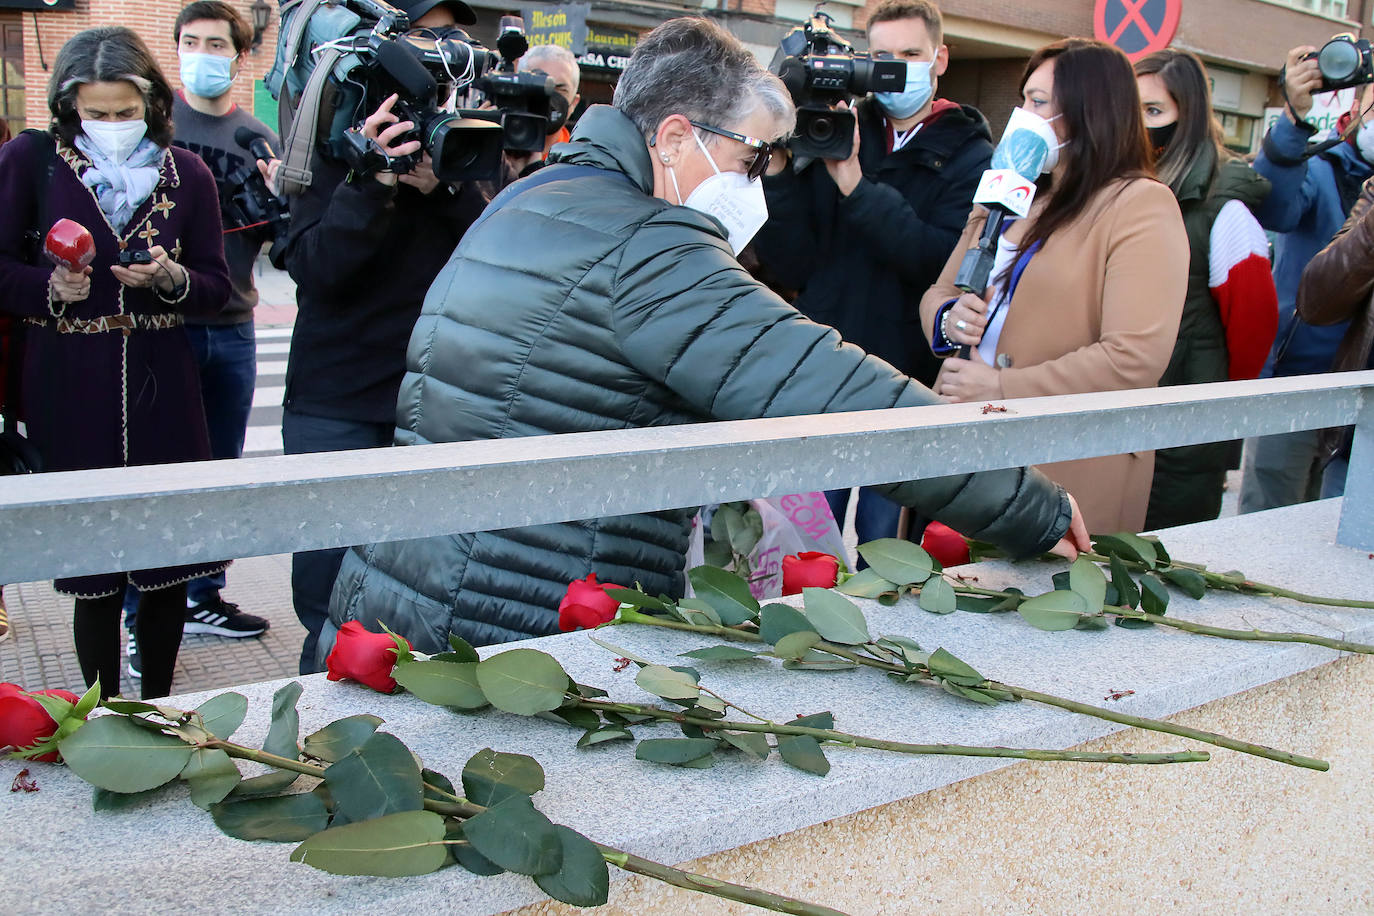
121,187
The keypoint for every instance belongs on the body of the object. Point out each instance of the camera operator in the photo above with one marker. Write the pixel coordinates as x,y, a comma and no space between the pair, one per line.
559,65
363,250
1311,197
863,238
213,40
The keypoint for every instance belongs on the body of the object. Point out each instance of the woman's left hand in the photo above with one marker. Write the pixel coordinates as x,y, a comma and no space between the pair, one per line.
163,273
964,380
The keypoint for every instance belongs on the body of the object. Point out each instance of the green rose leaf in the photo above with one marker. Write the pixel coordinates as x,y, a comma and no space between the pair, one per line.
937,596
676,751
471,859
516,837
282,818
286,723
946,666
1154,597
777,620
223,714
975,605
340,738
1126,591
105,800
618,651
796,645
462,648
602,735
1087,580
668,683
900,562
211,776
721,654
1193,583
742,526
435,784
128,707
113,753
718,554
267,784
576,716
582,879
1054,610
1128,547
523,681
381,777
637,599
490,777
835,617
867,583
452,684
814,660
824,720
726,592
697,612
968,693
754,744
395,846
1093,622
804,753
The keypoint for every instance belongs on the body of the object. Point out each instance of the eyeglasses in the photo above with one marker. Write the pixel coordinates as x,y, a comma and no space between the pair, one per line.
763,150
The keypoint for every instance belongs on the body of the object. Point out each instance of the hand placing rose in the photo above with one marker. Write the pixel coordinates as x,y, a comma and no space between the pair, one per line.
362,656
23,720
586,605
808,569
945,544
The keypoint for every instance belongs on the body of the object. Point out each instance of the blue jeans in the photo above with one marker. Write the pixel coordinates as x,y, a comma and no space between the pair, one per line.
313,572
227,357
875,517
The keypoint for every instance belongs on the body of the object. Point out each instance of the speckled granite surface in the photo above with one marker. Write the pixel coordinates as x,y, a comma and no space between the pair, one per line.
1068,837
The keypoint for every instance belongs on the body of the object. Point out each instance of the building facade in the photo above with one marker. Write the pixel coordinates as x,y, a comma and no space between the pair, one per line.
1242,41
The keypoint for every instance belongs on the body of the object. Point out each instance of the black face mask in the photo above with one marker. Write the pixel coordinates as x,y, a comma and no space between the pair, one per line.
1160,136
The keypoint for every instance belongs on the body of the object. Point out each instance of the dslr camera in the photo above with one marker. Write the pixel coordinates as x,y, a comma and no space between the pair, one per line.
821,69
1344,61
528,107
425,71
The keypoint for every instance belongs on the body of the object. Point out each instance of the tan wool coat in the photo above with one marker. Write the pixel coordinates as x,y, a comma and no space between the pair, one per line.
1097,309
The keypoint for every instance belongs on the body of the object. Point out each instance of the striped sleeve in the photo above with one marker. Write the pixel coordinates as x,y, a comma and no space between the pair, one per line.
1243,287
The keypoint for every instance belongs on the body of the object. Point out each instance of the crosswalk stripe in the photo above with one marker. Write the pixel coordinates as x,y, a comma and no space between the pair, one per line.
262,440
273,333
283,347
271,367
268,396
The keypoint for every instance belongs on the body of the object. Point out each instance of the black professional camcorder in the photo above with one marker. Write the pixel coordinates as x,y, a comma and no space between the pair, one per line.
424,70
528,107
245,199
1344,61
821,69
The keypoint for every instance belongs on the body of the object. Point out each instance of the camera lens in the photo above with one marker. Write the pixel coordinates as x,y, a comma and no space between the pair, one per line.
1338,60
820,129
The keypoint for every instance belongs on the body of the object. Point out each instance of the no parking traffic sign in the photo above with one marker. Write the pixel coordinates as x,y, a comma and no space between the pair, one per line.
1137,27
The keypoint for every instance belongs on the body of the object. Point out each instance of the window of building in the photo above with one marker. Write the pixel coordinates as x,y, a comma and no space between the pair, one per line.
1333,8
12,72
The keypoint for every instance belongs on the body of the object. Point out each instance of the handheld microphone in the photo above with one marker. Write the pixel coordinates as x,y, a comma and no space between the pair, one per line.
255,143
1002,191
69,244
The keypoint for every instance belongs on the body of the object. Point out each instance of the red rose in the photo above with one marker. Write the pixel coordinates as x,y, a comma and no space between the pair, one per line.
945,544
808,569
586,604
23,720
363,656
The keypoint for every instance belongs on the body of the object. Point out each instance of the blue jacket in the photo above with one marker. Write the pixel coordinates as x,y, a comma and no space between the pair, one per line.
1305,208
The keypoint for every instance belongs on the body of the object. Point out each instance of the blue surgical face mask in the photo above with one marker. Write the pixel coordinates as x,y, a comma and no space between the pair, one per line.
206,75
918,91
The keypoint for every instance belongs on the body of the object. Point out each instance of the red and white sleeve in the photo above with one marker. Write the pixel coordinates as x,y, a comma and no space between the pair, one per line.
1243,287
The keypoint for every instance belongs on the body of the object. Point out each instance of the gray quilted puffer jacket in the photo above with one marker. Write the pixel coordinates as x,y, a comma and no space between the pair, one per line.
588,304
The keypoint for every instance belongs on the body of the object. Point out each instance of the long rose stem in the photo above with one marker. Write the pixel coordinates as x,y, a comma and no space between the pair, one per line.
1245,747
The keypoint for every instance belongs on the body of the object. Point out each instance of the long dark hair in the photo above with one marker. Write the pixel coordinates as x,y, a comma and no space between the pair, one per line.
1093,85
108,54
1197,138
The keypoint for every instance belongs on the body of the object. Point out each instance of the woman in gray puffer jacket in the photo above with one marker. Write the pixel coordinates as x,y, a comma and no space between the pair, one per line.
602,298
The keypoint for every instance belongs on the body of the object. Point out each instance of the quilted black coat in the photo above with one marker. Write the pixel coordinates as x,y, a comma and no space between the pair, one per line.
588,304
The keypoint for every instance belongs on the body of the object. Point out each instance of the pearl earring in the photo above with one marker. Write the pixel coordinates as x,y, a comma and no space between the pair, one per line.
664,157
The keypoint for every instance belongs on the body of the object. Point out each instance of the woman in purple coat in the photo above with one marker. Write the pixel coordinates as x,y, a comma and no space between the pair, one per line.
108,377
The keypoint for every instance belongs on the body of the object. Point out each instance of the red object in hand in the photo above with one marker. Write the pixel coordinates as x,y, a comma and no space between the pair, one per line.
586,604
808,569
363,656
945,544
69,244
23,720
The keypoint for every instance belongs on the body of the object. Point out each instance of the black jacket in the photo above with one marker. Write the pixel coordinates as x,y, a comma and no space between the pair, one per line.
862,263
363,256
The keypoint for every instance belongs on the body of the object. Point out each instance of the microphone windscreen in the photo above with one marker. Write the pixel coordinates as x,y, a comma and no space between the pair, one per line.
69,244
401,64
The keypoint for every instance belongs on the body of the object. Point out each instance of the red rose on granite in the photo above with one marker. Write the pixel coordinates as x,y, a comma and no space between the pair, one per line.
23,720
945,544
586,604
363,656
808,569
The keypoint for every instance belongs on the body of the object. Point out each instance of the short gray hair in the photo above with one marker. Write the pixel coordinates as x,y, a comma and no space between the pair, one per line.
694,67
542,54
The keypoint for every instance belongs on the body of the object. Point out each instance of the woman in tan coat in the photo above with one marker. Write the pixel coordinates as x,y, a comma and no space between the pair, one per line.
1088,289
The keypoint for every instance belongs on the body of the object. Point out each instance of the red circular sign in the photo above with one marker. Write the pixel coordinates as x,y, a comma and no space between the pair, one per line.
1137,27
